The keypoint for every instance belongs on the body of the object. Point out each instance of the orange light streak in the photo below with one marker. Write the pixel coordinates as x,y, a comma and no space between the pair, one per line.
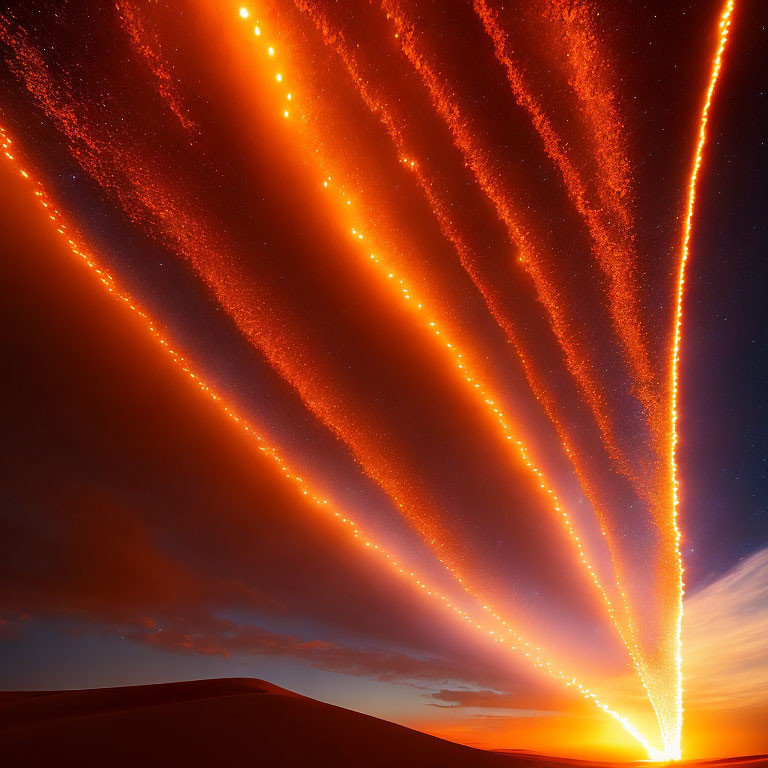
489,402
615,256
148,46
149,200
335,39
613,252
627,634
482,168
531,653
672,738
656,682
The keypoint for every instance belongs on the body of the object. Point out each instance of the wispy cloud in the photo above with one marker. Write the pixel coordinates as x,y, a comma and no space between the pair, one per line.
519,704
725,631
221,637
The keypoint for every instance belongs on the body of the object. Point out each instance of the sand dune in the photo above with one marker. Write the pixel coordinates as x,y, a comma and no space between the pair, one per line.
230,722
235,722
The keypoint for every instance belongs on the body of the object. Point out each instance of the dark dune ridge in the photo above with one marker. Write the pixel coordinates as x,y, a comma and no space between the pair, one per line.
229,722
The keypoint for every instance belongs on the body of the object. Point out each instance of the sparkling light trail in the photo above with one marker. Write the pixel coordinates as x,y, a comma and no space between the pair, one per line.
608,219
479,390
577,358
672,737
156,201
665,693
501,633
612,249
334,39
616,265
148,46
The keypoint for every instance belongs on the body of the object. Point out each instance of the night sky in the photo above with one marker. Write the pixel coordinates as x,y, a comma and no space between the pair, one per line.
426,254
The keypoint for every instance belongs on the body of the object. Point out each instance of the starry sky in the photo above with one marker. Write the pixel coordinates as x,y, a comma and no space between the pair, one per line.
460,230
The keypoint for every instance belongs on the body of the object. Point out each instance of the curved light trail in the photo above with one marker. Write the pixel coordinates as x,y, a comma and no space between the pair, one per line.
622,623
674,730
334,39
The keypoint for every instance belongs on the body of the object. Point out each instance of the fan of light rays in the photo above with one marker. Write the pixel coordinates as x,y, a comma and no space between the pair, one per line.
487,622
195,237
616,260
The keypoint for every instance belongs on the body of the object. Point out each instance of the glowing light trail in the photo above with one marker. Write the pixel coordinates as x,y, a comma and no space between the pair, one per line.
613,252
487,399
334,39
612,249
531,653
88,147
478,161
672,739
655,676
147,45
625,627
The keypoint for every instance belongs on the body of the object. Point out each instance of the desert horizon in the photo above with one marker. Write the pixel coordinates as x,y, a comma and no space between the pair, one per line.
235,721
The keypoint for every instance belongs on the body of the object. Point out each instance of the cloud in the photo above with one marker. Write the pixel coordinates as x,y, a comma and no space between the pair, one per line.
526,703
95,564
223,637
725,631
83,553
101,566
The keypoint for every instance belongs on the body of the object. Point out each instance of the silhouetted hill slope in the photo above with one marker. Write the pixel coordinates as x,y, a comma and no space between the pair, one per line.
231,722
